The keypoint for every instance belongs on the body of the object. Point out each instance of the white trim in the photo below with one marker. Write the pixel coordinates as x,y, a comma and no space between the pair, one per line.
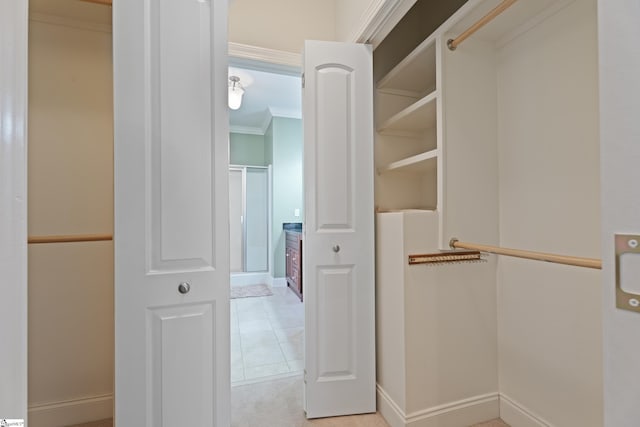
284,113
69,22
72,411
268,118
262,129
13,207
279,282
468,411
247,130
366,20
244,279
379,19
513,413
263,54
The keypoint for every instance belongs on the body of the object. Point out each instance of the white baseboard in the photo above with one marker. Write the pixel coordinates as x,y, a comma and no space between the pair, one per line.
279,282
514,414
453,414
71,412
244,279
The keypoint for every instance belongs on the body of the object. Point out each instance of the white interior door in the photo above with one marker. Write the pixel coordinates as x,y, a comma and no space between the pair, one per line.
618,33
171,213
14,26
339,229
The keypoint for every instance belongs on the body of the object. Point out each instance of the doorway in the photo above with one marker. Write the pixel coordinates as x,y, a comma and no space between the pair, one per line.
265,186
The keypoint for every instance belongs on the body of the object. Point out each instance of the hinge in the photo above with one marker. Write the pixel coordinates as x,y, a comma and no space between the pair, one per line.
304,376
302,80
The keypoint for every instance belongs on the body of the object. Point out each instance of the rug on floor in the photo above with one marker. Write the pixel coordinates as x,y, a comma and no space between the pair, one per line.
260,290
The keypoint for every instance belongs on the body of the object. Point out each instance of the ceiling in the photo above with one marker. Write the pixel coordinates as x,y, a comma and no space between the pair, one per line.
267,93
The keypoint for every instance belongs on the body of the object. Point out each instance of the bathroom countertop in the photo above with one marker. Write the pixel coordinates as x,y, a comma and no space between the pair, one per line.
295,227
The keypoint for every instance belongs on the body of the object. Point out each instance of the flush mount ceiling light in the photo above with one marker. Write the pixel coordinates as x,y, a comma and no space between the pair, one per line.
235,92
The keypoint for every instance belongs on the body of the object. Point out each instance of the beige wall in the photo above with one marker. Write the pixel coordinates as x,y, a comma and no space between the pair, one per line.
349,15
281,24
285,24
70,192
549,325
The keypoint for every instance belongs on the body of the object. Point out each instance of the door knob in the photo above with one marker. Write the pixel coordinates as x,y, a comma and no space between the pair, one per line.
336,248
184,288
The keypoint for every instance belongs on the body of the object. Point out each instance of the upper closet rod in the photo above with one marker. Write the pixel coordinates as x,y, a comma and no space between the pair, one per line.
105,2
539,256
453,43
70,238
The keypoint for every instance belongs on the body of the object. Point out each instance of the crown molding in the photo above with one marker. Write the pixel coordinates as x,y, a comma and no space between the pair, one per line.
247,130
287,114
379,19
281,58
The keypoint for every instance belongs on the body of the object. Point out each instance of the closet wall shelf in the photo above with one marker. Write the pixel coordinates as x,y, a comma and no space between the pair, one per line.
416,73
419,116
419,163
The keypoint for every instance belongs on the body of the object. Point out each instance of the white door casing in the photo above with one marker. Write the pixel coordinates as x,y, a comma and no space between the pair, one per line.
13,208
171,213
339,229
619,65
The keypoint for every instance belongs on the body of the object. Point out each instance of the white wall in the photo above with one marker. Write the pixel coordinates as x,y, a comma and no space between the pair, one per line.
620,153
70,192
549,316
281,24
13,209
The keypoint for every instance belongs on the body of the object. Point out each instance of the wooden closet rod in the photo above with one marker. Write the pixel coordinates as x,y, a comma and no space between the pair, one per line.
70,238
105,2
539,256
453,43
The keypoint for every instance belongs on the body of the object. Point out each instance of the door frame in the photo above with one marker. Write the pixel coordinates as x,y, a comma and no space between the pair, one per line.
14,23
619,151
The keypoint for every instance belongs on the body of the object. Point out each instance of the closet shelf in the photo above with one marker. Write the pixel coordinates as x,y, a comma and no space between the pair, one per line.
417,117
416,73
419,163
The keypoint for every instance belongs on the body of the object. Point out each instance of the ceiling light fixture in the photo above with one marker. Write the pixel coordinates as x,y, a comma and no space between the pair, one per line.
235,92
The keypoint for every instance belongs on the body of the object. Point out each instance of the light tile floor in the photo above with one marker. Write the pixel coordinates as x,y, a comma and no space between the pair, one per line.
267,336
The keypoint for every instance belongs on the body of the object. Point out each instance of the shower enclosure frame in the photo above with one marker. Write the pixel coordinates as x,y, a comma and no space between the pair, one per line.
245,277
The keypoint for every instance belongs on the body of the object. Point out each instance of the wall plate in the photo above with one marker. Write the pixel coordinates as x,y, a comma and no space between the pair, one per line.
627,262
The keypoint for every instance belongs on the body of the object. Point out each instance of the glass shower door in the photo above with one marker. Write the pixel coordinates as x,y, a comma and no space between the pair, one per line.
249,219
257,216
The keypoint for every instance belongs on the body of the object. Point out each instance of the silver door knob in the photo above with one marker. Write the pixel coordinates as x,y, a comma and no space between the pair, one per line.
184,288
336,248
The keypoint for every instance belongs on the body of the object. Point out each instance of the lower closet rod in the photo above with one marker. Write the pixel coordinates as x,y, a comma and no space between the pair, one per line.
70,238
539,256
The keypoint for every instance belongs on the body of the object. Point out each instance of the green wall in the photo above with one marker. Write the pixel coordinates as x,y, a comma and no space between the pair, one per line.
246,149
281,146
285,138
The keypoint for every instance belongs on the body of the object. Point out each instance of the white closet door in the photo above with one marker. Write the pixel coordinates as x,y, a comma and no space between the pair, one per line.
339,233
171,213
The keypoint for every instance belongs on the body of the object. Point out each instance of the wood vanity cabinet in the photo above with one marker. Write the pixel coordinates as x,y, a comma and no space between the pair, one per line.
293,258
